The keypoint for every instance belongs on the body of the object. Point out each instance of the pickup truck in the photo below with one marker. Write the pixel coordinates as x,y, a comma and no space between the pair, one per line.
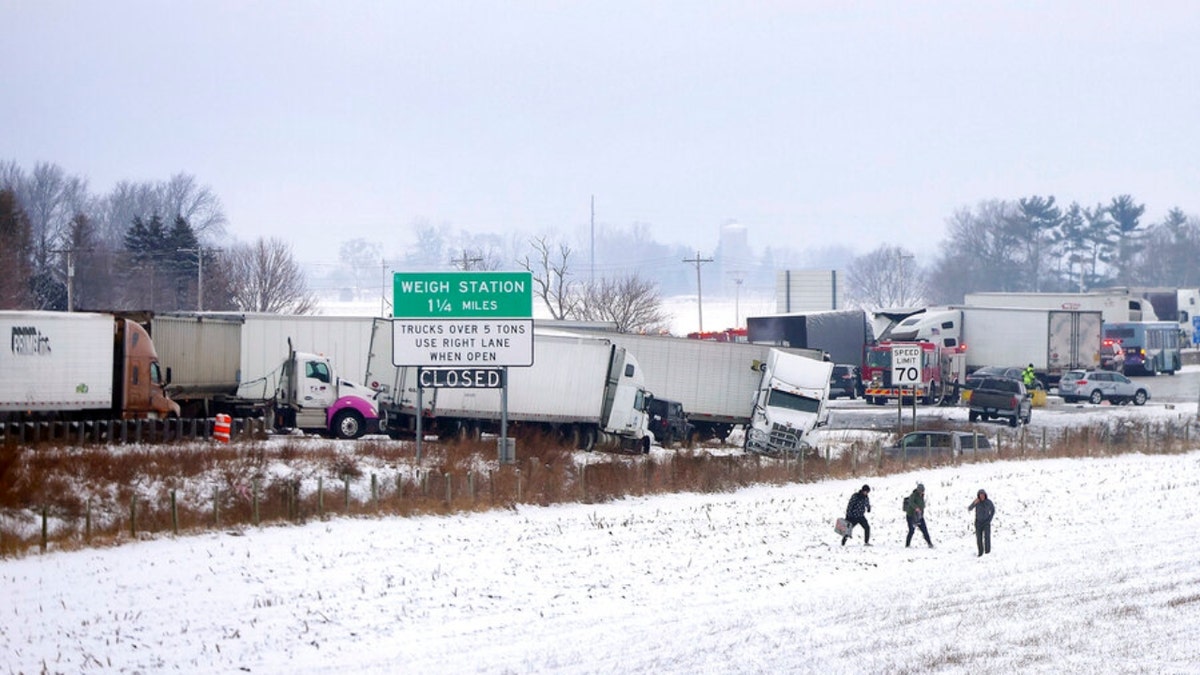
919,444
1001,397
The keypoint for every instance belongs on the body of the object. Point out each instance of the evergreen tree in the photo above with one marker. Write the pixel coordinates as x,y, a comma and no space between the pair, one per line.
1127,216
1036,221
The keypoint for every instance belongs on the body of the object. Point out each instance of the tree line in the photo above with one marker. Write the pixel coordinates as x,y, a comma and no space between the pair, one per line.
154,246
142,246
1032,244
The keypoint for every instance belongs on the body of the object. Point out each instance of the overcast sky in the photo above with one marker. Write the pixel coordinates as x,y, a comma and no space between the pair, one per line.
812,123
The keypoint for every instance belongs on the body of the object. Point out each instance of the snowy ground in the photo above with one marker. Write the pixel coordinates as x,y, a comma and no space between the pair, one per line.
1093,570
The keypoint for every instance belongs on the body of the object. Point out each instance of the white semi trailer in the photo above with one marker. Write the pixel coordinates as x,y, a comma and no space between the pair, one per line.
245,365
1053,340
717,382
1115,305
80,366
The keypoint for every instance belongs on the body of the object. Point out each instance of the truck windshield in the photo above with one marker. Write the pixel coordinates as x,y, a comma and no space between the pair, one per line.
790,401
879,358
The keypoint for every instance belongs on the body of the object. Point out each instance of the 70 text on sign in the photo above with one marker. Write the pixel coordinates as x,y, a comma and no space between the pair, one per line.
906,365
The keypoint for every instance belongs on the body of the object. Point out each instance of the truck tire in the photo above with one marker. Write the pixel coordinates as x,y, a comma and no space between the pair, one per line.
1097,397
1014,420
587,438
348,424
972,416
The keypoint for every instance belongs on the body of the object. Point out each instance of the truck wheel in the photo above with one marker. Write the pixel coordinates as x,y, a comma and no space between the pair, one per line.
587,438
1097,397
348,424
646,445
1140,397
1014,420
972,416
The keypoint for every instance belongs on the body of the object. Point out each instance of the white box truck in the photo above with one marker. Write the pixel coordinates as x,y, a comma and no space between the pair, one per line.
80,366
586,390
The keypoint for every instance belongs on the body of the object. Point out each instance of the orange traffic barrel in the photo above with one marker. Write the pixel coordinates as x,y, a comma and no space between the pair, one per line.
221,428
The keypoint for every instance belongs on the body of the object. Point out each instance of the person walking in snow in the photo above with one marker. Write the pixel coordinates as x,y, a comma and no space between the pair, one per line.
915,514
984,510
856,513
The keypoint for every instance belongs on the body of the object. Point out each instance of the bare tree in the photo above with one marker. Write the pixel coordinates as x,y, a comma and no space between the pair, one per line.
885,277
631,302
197,204
551,277
264,277
360,259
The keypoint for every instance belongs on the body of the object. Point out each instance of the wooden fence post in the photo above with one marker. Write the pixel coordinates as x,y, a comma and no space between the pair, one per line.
174,514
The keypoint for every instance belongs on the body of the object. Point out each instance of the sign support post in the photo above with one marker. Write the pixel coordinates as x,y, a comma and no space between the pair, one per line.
906,370
463,330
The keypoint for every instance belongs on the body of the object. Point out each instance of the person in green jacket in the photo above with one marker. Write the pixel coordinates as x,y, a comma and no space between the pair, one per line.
915,512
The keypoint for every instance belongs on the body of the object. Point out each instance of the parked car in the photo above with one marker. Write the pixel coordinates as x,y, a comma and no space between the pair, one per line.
1098,386
844,381
954,443
1001,397
1112,356
669,422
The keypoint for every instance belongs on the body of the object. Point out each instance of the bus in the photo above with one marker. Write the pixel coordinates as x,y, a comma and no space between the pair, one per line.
1151,347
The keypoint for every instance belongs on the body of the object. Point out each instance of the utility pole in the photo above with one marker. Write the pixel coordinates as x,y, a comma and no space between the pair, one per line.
697,261
199,251
592,279
465,262
70,274
737,300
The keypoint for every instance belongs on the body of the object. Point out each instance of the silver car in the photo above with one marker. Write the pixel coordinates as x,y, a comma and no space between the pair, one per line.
1098,386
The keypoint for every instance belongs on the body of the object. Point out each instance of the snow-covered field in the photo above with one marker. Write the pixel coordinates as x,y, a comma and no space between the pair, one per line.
1093,569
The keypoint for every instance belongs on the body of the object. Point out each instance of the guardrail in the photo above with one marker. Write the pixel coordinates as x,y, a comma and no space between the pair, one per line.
122,431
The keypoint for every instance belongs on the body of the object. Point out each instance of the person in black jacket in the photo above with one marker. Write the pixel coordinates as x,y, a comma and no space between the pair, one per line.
984,510
856,513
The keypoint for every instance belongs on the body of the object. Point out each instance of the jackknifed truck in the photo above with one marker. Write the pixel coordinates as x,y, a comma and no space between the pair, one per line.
717,382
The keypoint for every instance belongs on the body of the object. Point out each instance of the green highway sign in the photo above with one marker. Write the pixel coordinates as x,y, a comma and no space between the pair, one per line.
462,295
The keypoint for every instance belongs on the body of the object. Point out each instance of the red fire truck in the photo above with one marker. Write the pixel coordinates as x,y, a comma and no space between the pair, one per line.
940,369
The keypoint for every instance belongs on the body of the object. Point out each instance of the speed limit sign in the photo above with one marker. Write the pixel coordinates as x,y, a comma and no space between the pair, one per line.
906,365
